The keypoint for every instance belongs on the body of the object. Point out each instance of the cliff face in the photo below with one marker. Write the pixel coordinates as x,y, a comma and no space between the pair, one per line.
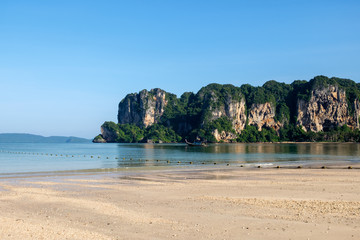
224,136
326,109
107,134
144,108
261,115
233,110
99,139
357,113
226,102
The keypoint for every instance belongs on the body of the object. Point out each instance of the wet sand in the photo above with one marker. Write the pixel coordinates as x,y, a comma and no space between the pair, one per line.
213,203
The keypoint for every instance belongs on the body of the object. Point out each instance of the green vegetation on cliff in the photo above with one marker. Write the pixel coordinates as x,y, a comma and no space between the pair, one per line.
160,133
206,132
130,133
251,134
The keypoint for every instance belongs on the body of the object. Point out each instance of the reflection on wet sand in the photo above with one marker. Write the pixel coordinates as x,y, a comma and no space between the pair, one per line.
269,148
150,155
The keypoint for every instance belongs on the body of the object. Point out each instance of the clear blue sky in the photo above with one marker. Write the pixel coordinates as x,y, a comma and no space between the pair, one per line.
65,65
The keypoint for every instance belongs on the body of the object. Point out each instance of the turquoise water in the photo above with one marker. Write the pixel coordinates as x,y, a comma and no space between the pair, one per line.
45,157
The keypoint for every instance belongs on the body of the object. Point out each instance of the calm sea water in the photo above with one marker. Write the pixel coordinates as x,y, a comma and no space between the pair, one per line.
41,157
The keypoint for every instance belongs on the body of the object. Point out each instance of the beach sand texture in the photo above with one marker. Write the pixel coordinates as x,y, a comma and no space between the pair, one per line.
184,204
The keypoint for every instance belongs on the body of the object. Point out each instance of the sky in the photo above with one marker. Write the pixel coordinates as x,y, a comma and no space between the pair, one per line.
65,65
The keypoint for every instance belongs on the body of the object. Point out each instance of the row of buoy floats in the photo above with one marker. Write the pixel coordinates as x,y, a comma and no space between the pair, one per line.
55,154
44,154
131,159
92,156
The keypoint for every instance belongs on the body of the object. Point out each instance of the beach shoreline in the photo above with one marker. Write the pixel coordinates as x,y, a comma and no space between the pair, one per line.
188,203
186,166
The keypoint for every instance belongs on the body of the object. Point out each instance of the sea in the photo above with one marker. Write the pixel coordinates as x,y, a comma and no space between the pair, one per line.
28,158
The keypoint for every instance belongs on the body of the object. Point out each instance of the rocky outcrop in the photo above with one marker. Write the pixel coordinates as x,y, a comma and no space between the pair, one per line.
326,109
234,110
108,134
99,139
261,115
357,113
224,136
144,108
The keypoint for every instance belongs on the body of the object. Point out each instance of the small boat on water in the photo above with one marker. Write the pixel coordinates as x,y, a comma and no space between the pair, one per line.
196,143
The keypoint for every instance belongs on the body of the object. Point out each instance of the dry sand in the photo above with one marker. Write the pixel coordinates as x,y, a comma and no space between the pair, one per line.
234,203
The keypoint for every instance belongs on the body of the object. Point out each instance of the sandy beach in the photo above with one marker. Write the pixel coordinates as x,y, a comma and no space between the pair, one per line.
218,203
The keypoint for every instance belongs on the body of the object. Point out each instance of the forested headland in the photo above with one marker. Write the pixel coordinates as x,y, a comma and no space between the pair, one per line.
322,109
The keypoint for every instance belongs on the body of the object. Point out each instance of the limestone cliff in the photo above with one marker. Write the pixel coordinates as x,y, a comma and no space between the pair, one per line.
224,136
144,108
221,113
234,110
223,101
357,113
326,109
109,133
99,139
261,115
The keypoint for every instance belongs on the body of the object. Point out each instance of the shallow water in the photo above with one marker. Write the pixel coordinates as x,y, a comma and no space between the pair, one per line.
42,157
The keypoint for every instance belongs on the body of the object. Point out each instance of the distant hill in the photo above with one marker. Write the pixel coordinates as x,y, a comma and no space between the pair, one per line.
31,138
